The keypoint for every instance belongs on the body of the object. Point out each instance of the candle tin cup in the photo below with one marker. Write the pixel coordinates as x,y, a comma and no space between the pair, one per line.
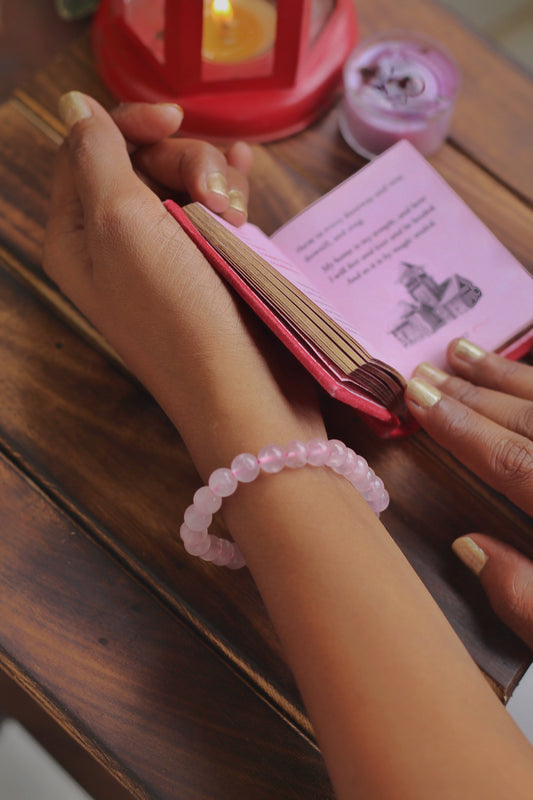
398,85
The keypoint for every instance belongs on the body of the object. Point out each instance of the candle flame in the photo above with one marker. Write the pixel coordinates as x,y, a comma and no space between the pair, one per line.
222,11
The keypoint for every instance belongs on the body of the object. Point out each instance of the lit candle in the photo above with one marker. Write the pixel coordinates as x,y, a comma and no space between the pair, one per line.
237,30
398,86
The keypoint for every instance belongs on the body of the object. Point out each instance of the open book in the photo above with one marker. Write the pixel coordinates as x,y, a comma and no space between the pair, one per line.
373,278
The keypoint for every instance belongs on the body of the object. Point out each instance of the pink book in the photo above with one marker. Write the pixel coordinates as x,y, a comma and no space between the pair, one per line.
373,278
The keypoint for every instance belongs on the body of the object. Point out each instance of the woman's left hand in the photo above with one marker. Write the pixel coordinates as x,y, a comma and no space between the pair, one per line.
121,258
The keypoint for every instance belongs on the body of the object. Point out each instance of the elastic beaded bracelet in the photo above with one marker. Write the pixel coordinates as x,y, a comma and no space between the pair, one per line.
245,468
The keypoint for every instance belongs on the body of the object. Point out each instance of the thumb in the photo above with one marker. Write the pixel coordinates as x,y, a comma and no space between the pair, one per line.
507,577
98,153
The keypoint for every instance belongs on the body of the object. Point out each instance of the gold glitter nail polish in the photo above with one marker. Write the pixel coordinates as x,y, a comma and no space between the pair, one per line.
470,553
468,351
423,394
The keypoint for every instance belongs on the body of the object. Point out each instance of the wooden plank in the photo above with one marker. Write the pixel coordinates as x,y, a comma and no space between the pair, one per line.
80,415
142,694
99,444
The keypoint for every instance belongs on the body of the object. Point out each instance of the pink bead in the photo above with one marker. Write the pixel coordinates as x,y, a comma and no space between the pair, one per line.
238,559
198,548
271,458
224,555
362,483
245,467
206,501
350,462
222,482
296,454
196,520
381,503
359,470
215,548
192,537
337,454
317,452
374,489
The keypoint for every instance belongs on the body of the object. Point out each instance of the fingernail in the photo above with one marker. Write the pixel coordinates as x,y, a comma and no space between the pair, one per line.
423,394
431,373
175,109
72,108
216,182
470,554
468,351
237,201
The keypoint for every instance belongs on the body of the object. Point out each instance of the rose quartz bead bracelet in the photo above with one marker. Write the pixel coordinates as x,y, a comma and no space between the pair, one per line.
245,468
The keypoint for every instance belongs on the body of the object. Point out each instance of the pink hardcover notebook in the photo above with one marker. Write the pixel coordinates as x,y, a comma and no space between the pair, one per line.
400,262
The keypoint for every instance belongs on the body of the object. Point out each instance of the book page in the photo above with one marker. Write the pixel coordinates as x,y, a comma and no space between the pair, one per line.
407,263
267,249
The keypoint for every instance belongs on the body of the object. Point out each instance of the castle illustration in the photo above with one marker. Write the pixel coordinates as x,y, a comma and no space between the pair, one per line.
432,304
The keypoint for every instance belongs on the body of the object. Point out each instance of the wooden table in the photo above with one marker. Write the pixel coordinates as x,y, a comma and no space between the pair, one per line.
148,673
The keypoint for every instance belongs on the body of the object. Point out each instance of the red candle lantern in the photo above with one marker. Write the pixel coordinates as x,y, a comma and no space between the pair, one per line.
253,69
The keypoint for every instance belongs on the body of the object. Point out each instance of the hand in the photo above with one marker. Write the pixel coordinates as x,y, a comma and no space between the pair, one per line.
119,256
484,416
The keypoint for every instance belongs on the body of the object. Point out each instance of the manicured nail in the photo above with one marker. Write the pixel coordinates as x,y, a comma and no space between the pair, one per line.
216,182
431,373
237,201
468,351
423,394
175,110
470,553
72,108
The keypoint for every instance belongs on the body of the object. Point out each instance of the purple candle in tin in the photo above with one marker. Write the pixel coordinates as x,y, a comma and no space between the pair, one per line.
398,86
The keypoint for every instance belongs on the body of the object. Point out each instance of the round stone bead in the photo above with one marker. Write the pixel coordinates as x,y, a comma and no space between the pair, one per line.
296,454
337,454
350,462
381,503
271,458
214,550
222,482
245,467
196,520
192,537
317,452
205,500
374,489
198,548
238,559
225,554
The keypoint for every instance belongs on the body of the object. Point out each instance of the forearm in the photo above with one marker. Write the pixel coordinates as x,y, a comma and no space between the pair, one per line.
399,708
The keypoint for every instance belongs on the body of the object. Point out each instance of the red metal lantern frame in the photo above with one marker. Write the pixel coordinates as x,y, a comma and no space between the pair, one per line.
302,83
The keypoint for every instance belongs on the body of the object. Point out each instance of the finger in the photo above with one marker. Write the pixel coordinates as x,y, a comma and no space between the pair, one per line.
240,156
507,577
490,370
146,123
240,159
64,235
510,412
99,159
201,170
188,165
238,190
500,457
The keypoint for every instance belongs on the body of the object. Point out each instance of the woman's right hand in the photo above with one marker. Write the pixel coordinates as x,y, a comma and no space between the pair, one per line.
483,414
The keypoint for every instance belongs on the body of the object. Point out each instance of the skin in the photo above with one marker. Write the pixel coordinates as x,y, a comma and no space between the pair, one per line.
485,418
399,709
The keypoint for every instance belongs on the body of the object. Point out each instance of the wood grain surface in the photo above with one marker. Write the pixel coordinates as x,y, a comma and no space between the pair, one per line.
87,452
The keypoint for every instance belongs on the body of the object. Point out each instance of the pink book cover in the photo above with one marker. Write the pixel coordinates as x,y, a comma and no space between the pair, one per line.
403,264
